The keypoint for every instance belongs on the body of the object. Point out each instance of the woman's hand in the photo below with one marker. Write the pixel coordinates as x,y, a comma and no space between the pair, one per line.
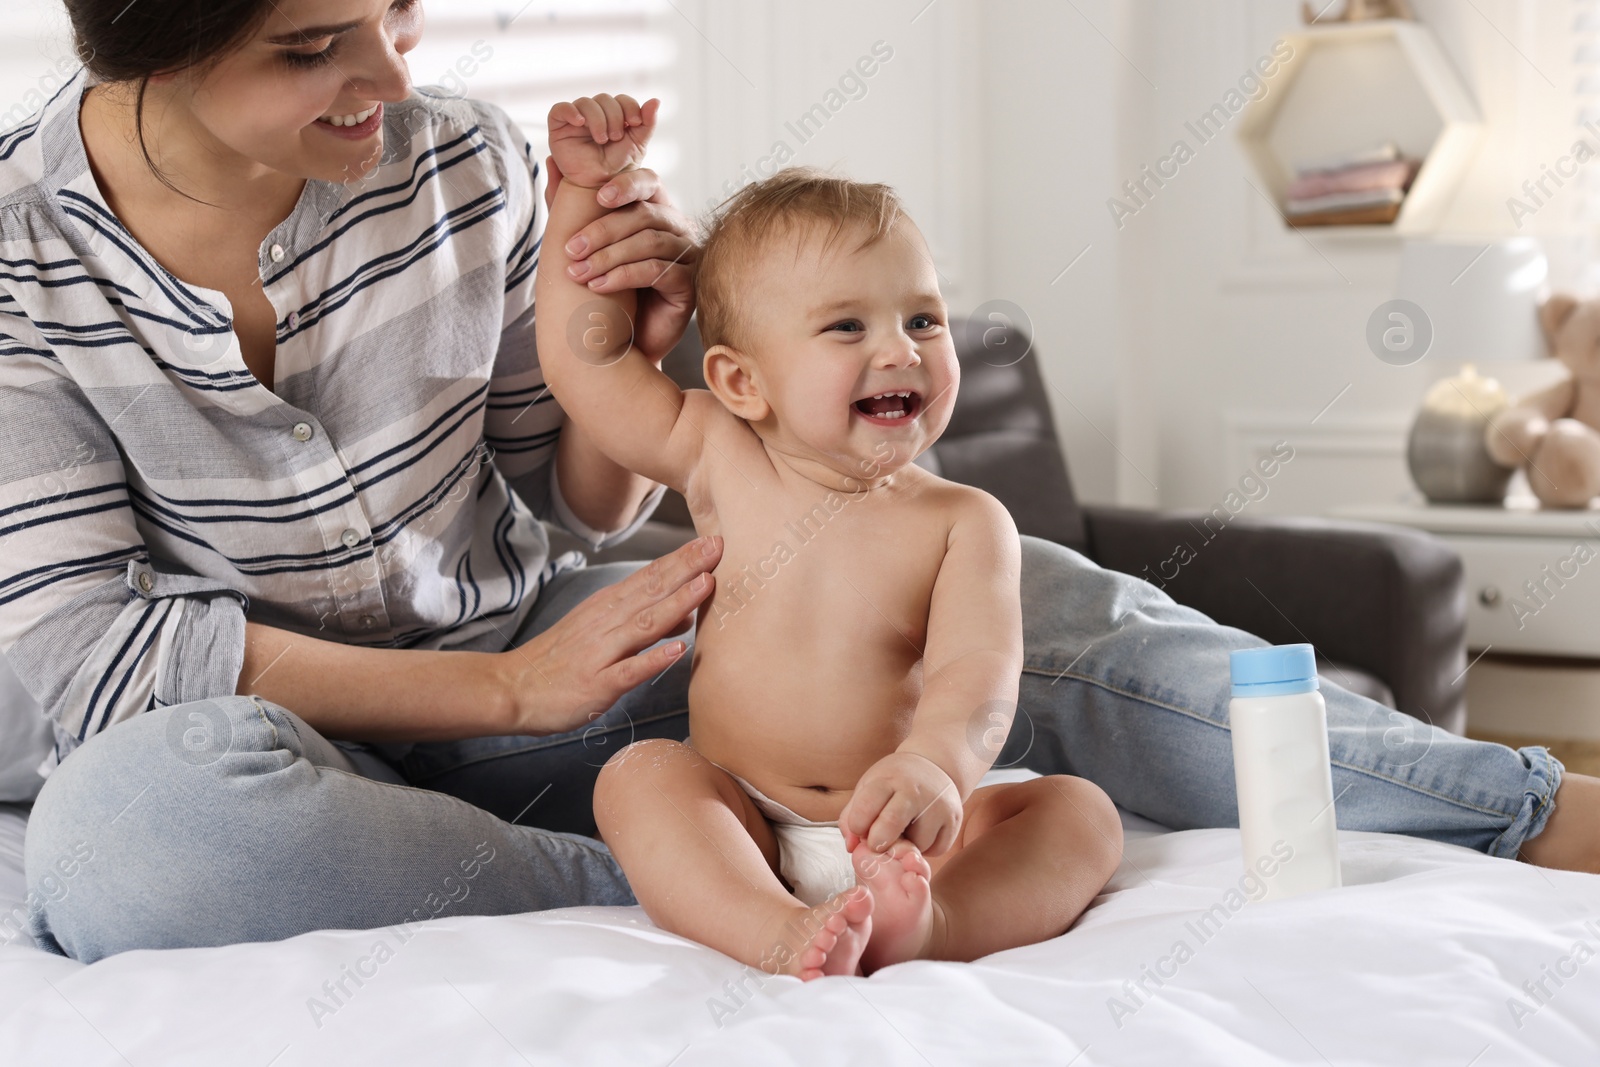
570,674
643,243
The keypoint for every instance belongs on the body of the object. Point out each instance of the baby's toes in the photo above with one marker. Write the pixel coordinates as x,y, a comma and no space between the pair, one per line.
911,858
822,943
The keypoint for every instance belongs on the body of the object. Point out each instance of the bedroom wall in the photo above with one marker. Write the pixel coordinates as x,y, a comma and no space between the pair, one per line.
1061,89
1236,333
881,92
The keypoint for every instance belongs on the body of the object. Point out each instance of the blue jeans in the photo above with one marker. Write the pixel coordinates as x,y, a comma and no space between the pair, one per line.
231,820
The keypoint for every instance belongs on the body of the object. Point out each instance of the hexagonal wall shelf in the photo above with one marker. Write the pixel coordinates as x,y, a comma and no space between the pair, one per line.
1351,87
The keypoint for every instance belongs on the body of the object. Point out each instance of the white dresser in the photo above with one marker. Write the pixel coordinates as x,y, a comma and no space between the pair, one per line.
1532,577
1533,614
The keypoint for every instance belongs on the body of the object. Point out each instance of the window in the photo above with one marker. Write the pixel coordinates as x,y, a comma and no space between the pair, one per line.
36,57
527,56
1581,70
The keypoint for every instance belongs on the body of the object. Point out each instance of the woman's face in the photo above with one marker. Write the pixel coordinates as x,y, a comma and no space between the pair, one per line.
304,95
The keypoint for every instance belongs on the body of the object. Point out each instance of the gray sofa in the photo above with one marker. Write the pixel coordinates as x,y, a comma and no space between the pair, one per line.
1384,606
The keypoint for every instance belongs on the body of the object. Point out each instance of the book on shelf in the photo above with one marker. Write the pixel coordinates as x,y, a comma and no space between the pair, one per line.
1365,216
1367,187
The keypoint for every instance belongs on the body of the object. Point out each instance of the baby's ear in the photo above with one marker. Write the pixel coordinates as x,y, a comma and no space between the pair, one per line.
728,376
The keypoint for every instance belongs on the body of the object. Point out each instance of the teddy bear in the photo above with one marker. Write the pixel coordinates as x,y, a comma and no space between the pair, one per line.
1554,435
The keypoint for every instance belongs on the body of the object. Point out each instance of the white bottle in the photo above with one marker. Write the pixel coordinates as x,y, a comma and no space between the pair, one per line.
1282,770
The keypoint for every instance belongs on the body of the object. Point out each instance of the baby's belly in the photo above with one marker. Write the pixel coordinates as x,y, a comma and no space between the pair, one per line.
800,724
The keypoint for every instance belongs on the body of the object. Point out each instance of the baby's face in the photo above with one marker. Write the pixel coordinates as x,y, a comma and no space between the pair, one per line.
852,349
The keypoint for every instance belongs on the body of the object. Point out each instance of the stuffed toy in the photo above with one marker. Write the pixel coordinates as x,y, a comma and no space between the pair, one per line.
1554,435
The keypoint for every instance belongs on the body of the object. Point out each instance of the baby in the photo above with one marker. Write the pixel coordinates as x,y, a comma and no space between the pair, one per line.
857,670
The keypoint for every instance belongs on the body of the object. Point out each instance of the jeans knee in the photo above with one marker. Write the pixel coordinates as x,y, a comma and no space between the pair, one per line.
111,826
100,780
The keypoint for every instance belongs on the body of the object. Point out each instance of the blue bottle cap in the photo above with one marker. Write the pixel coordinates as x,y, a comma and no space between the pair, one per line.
1273,671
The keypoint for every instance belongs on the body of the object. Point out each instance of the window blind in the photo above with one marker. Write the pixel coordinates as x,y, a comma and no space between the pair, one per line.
1584,79
1583,23
36,57
527,56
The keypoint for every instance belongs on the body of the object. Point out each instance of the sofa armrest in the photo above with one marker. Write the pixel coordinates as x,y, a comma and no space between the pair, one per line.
1385,599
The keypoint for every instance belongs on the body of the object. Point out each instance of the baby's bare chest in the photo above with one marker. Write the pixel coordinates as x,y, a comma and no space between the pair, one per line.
817,569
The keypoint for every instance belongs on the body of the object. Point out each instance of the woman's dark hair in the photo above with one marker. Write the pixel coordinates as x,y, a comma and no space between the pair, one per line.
130,42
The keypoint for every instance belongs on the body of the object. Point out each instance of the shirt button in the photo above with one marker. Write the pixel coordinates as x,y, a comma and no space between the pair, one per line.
351,538
294,320
146,583
368,621
302,431
276,252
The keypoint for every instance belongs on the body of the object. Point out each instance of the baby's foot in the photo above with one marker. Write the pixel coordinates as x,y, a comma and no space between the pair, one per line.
837,945
902,903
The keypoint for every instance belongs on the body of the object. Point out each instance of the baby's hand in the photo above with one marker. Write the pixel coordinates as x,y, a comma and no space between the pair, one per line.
903,795
593,139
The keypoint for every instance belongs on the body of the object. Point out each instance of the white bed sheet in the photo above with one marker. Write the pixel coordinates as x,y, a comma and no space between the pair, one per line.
1416,961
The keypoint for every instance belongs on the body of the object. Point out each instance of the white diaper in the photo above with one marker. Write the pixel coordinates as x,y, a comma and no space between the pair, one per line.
811,855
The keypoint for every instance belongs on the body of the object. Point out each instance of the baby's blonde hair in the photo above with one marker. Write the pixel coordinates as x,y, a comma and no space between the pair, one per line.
749,221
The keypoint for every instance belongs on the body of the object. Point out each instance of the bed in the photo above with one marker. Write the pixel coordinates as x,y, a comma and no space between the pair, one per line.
1420,959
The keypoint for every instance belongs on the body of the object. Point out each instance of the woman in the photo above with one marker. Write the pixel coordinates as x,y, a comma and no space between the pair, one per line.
269,314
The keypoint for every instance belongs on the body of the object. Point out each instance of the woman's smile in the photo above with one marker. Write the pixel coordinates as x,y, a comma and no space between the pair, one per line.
356,126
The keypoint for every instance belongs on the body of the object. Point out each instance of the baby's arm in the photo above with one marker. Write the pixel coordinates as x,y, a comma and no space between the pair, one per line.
970,670
628,407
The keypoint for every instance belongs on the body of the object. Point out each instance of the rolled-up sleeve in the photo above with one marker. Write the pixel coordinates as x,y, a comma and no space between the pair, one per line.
93,630
563,516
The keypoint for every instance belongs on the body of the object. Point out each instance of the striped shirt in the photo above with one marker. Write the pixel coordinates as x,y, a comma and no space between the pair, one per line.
385,490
